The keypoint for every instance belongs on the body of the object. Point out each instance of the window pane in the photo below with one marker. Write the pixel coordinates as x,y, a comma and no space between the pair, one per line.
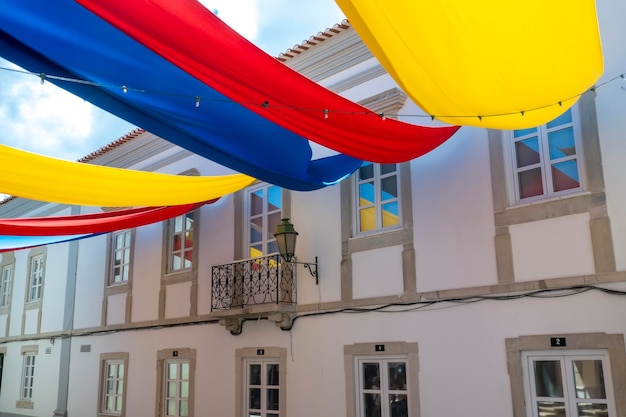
527,152
372,405
172,371
551,409
387,168
110,403
254,398
589,379
273,220
390,214
397,375
272,399
171,407
388,188
184,370
524,132
530,183
120,387
561,120
366,194
274,198
118,404
366,171
371,375
272,374
120,370
593,410
256,202
178,224
256,230
184,390
255,374
368,221
562,143
548,380
184,408
397,405
171,389
565,175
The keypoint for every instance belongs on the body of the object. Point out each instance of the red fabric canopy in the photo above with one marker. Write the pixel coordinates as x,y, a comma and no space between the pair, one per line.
202,45
92,223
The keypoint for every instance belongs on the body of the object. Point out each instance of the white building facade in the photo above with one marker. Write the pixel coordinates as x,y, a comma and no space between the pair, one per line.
482,279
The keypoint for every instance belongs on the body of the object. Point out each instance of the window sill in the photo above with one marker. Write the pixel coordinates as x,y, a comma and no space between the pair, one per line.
27,404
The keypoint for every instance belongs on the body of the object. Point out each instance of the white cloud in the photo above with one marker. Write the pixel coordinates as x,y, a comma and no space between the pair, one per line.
241,15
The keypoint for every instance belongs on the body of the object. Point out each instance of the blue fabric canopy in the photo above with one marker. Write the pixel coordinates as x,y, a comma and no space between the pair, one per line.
63,39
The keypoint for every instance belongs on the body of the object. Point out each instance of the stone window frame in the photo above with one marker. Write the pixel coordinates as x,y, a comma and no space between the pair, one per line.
359,350
163,356
8,259
40,251
125,287
26,350
277,353
613,343
591,200
104,359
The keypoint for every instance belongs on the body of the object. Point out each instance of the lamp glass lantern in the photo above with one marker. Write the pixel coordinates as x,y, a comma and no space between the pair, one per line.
286,240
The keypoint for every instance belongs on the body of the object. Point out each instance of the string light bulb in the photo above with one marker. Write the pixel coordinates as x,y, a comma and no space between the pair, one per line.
124,89
197,101
325,113
42,76
383,117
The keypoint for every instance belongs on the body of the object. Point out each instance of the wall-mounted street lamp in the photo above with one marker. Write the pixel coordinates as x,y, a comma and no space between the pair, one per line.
286,239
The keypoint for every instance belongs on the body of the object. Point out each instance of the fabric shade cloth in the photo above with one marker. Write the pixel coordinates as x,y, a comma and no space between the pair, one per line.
516,64
92,223
11,243
37,177
230,126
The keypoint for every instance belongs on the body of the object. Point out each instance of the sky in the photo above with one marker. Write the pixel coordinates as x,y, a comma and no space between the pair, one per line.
45,119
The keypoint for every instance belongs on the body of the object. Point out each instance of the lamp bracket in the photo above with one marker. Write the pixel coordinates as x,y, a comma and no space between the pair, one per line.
311,267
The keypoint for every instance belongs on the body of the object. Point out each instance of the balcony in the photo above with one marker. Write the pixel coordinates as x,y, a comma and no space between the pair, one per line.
254,288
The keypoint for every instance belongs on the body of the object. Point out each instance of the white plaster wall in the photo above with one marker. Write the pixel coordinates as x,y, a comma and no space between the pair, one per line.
461,354
3,325
116,309
177,298
31,319
453,214
552,248
317,219
19,292
377,272
147,272
611,112
90,281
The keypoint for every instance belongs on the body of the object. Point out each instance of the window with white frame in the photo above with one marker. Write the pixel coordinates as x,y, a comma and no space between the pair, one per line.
263,213
382,389
113,387
35,278
546,160
382,379
262,388
28,376
568,384
176,392
181,242
261,377
120,254
6,280
377,197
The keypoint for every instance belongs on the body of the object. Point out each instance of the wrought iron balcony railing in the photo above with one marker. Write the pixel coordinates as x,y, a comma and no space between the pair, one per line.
266,280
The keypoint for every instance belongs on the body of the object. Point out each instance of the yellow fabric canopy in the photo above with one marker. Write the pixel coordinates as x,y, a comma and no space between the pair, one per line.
37,177
516,64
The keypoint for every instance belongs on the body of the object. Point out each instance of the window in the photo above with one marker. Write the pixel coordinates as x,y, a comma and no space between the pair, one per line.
262,388
113,373
377,198
546,159
35,281
28,376
264,211
120,257
181,242
567,383
6,279
176,393
261,374
576,378
382,380
176,370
